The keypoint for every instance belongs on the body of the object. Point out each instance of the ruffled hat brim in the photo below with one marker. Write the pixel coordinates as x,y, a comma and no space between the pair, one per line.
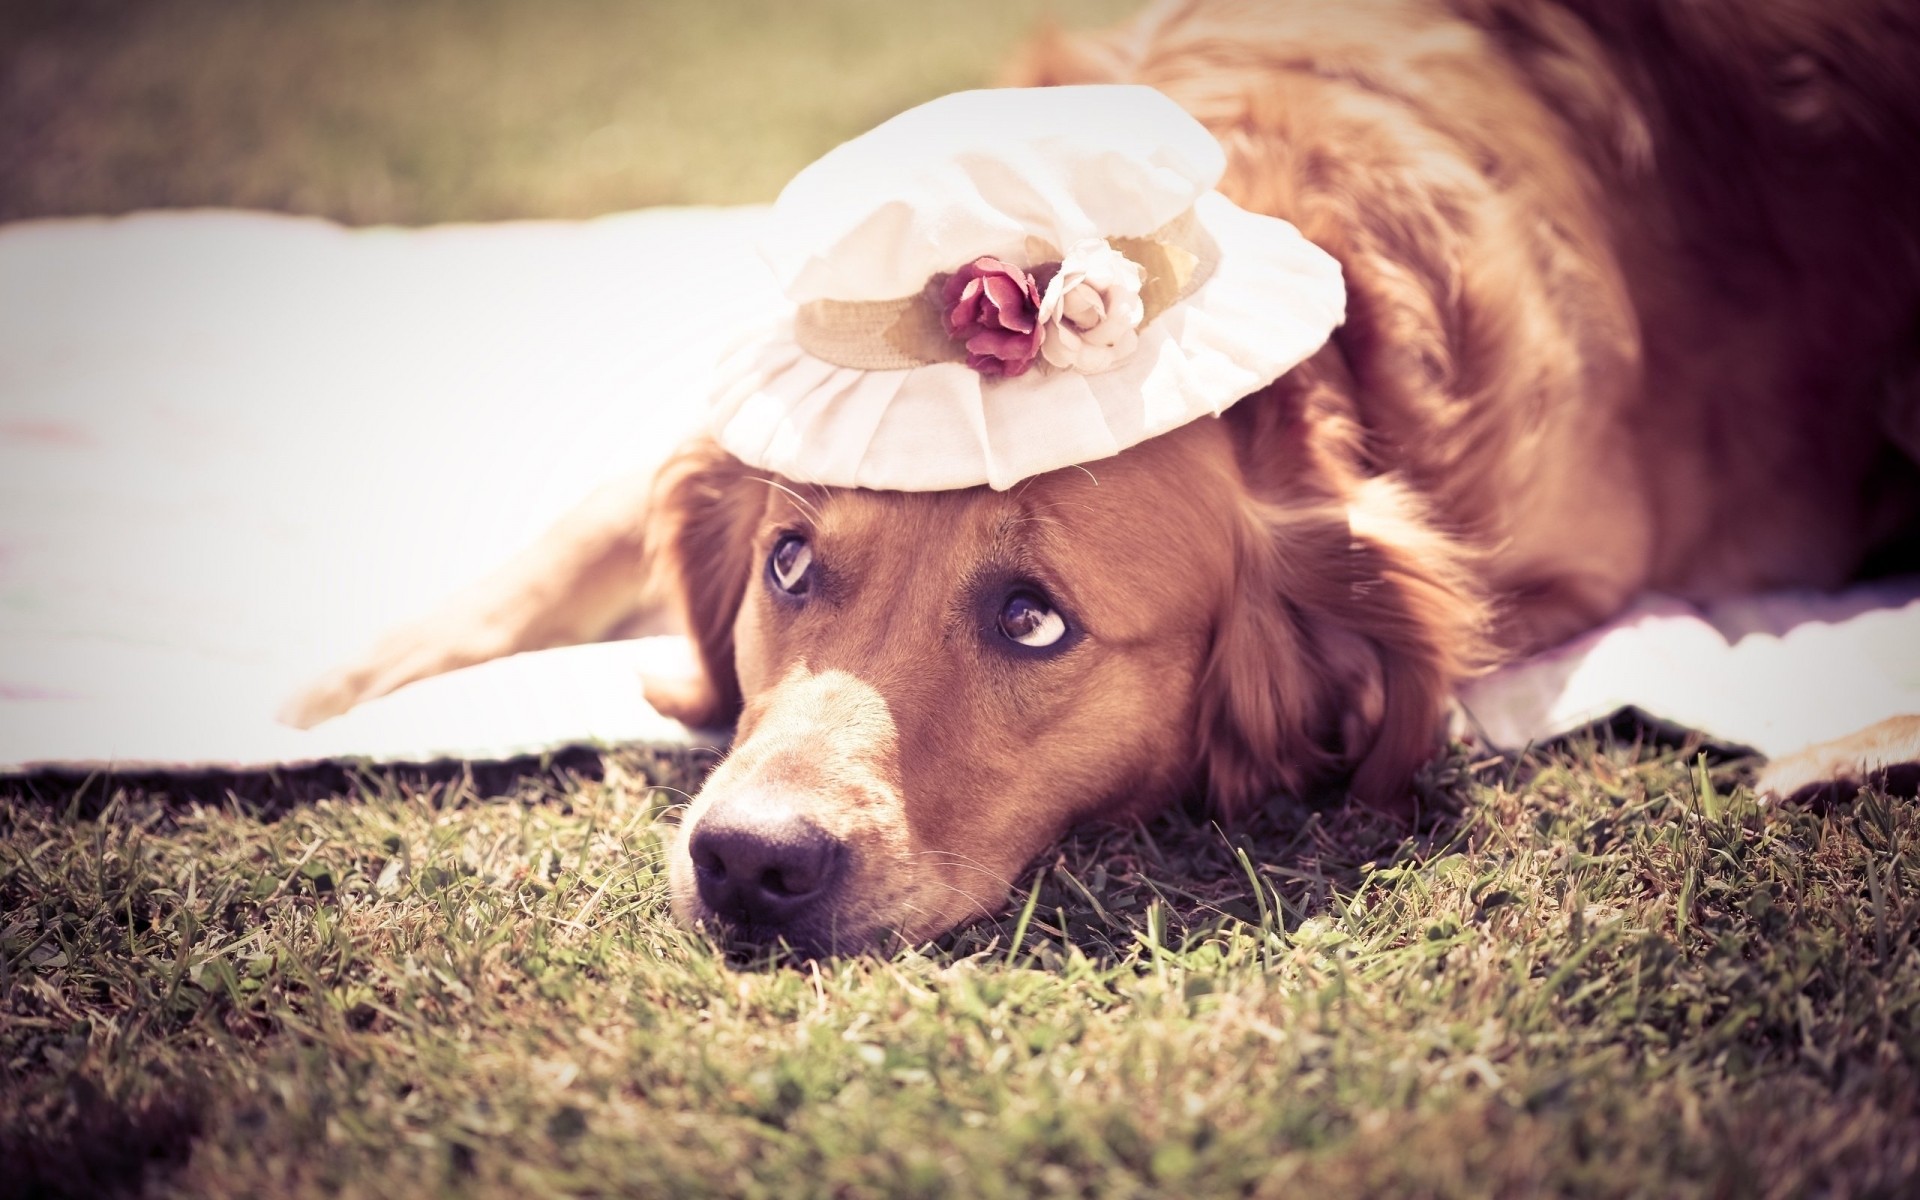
1272,301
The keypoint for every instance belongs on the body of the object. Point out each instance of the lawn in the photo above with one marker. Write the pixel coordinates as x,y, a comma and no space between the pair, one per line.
1600,971
1596,969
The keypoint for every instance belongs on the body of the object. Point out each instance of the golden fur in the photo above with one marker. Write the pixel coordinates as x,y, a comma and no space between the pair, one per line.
1634,303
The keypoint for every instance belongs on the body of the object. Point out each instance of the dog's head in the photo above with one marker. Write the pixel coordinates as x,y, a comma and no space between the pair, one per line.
931,687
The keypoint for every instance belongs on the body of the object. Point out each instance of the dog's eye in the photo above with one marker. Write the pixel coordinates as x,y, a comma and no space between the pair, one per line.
1028,619
787,565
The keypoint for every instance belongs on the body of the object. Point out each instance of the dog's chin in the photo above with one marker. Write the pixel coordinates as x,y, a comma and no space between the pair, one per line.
832,932
799,942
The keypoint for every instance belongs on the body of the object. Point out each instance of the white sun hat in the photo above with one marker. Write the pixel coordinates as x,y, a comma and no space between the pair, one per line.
1002,283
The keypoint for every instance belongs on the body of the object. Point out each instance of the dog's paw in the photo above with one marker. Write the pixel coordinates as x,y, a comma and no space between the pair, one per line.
1887,754
324,699
319,702
690,699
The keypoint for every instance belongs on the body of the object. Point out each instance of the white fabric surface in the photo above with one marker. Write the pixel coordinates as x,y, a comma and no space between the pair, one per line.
987,173
235,447
1776,673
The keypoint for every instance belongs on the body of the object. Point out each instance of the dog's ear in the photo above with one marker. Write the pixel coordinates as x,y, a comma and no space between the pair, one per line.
700,525
1407,596
1346,629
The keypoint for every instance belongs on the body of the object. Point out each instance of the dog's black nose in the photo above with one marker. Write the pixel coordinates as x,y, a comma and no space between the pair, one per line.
760,870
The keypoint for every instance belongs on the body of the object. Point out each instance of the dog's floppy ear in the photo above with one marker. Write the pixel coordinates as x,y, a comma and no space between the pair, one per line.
1346,629
1407,596
700,528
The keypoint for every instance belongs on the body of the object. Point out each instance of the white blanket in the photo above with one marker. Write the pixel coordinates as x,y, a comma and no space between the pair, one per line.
234,447
1775,673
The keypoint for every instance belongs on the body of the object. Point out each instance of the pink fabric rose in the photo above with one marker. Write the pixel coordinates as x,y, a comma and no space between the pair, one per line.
1090,311
994,309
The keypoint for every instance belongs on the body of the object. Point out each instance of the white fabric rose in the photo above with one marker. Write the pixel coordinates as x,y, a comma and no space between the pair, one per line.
1091,309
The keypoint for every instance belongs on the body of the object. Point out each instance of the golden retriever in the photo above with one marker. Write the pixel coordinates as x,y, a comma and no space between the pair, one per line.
1634,303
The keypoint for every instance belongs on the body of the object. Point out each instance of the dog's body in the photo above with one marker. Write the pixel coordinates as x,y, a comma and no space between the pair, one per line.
1630,280
1634,303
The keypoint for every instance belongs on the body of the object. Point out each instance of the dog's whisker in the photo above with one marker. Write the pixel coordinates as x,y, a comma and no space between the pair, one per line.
806,506
998,879
913,909
953,858
1041,510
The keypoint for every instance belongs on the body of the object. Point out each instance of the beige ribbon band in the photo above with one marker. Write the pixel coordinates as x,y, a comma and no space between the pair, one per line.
894,335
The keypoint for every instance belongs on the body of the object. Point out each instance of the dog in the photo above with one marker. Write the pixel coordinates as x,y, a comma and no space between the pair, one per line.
1634,303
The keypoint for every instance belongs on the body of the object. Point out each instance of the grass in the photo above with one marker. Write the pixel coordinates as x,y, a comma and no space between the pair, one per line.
1598,971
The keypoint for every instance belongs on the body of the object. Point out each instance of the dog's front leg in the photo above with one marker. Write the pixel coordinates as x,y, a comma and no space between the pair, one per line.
584,580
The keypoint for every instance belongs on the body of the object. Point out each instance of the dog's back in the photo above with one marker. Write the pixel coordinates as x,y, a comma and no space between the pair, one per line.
1766,162
1783,134
1697,224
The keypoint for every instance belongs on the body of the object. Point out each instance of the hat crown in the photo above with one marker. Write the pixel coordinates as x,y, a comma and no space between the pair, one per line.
986,173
